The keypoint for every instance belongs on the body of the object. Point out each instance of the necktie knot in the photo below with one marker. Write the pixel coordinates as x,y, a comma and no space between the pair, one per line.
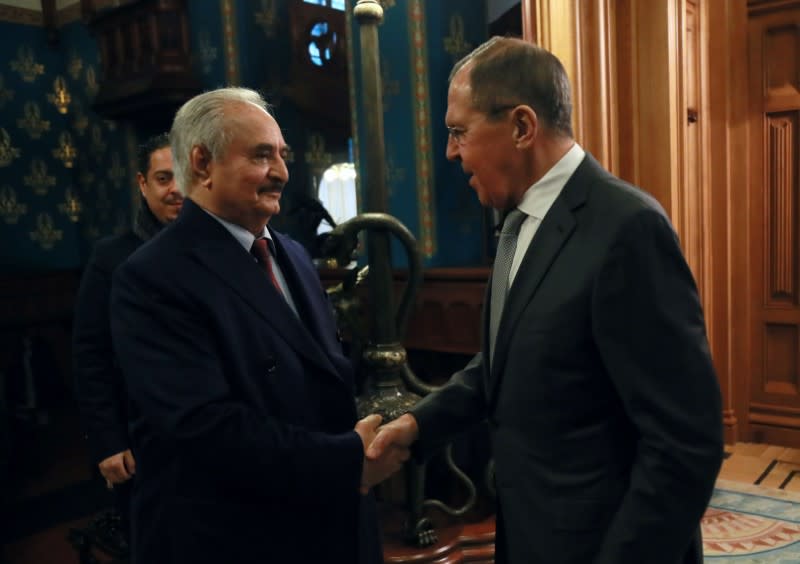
261,250
512,222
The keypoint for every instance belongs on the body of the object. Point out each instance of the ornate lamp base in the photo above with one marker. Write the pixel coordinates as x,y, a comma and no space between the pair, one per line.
458,542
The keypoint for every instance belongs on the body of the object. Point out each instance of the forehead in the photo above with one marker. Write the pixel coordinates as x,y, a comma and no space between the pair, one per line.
251,125
161,159
459,96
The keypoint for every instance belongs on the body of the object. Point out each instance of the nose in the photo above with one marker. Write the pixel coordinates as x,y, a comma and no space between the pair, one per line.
172,188
452,149
279,171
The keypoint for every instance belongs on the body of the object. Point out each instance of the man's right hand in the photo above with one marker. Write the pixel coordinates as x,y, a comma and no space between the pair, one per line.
118,468
400,433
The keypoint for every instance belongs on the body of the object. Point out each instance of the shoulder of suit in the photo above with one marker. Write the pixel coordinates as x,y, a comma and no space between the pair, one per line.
111,251
619,198
287,242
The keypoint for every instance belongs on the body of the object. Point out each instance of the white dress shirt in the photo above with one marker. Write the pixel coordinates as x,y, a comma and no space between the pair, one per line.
538,199
246,240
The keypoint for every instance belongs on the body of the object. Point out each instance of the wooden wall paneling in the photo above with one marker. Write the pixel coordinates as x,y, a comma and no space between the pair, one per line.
551,24
724,116
627,101
692,203
658,87
774,85
594,102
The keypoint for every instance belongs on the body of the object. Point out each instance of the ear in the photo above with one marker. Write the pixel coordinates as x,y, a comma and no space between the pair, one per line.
201,165
141,180
526,126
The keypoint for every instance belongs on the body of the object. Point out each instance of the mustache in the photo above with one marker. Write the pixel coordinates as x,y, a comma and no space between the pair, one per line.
272,187
173,199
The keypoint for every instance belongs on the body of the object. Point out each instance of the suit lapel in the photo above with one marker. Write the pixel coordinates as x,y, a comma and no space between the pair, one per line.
309,298
555,230
217,250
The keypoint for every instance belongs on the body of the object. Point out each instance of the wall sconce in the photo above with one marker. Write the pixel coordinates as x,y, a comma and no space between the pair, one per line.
60,97
66,151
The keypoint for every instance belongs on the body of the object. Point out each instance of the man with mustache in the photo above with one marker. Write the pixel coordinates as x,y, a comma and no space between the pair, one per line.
98,382
243,417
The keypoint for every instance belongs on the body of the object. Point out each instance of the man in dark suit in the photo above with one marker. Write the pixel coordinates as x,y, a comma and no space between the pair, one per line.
99,386
595,373
243,418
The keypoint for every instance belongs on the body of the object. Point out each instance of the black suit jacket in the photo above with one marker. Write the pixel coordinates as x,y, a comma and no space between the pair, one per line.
242,414
99,386
603,405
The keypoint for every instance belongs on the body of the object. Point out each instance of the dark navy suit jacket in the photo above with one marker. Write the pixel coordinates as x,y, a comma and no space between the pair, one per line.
242,412
99,386
603,405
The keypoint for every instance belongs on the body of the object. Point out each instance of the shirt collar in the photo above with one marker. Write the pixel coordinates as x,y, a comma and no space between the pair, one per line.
242,235
538,199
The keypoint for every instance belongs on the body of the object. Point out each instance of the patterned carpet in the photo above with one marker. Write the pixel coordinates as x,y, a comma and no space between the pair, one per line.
752,524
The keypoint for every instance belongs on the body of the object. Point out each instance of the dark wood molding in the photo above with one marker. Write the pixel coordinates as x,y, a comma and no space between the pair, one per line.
145,59
447,313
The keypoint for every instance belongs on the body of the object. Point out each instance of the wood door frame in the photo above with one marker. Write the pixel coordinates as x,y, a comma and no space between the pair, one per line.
605,68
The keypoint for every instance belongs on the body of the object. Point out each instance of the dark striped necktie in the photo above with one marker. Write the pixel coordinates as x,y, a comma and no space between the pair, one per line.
262,250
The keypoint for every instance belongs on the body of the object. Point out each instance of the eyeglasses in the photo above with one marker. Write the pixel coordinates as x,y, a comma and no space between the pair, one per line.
458,134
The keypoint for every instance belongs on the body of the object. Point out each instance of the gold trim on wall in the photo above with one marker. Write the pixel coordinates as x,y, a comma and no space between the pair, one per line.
421,103
232,73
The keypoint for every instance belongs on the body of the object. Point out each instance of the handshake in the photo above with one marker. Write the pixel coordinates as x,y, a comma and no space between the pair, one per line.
386,447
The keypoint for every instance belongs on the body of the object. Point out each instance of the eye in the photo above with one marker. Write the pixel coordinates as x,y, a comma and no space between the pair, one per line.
457,133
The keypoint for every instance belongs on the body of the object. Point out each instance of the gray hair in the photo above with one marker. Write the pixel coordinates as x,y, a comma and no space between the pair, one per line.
202,121
506,72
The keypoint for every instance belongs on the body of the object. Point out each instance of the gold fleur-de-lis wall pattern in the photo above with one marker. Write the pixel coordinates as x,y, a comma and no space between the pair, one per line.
74,65
455,43
6,94
64,169
10,208
32,121
117,172
206,52
267,17
38,180
66,151
71,206
60,96
7,151
80,121
98,145
53,148
91,82
25,65
46,233
317,158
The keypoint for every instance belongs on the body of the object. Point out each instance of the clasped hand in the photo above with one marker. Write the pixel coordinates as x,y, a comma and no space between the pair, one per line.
386,447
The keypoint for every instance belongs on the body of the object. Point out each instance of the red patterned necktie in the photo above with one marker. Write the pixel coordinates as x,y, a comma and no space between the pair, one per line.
261,251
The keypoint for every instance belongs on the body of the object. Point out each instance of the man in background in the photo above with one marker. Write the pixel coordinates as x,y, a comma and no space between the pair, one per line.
99,385
595,373
244,424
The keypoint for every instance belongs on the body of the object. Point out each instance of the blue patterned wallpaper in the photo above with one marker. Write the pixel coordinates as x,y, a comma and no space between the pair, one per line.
51,213
64,171
419,42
